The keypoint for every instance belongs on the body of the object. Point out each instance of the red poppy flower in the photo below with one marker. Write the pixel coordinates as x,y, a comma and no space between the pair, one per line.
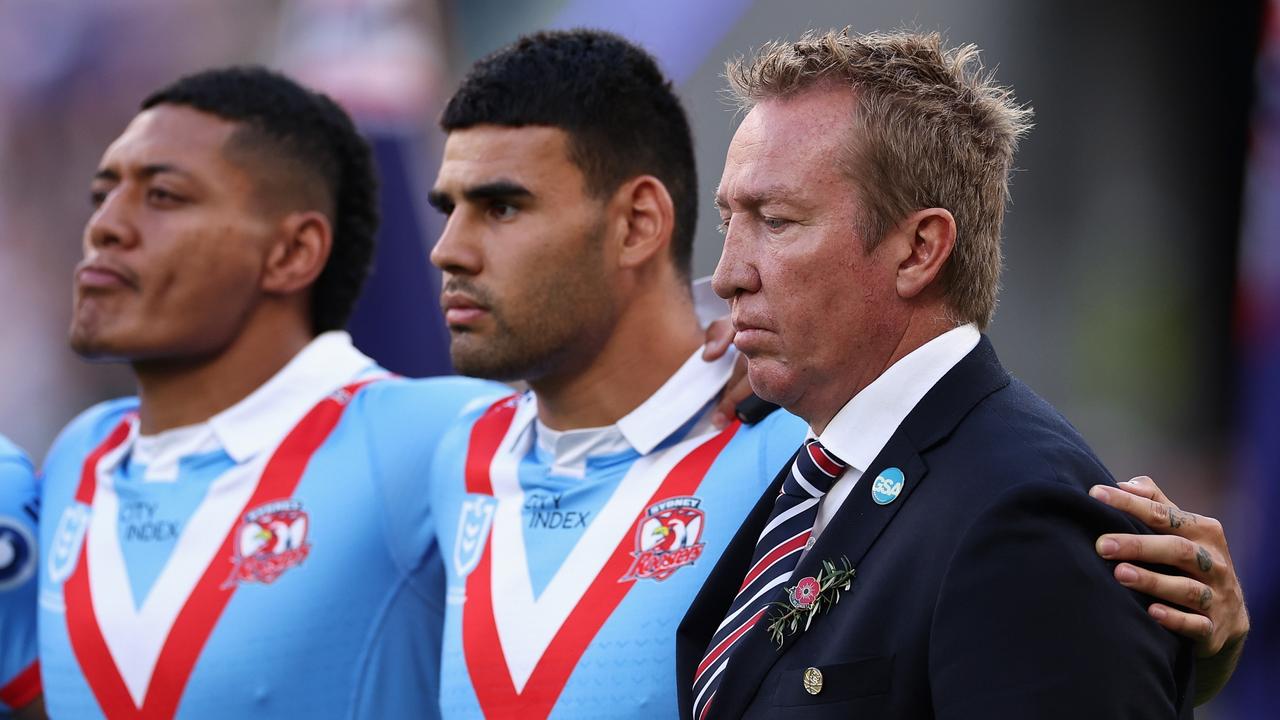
805,592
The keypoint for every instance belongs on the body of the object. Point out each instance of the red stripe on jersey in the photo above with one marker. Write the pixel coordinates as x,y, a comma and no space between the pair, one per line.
88,475
486,436
486,664
23,688
86,639
194,623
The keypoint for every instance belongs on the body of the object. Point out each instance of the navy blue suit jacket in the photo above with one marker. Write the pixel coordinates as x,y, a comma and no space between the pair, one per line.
977,593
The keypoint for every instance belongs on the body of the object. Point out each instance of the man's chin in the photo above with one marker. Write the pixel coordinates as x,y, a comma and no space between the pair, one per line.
99,354
477,363
98,348
87,346
770,381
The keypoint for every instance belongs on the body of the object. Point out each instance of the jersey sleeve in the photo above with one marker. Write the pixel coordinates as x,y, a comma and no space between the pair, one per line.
19,673
406,420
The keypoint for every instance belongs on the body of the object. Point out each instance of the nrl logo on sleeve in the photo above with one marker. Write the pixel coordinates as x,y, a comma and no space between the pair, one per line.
67,539
474,521
271,539
667,539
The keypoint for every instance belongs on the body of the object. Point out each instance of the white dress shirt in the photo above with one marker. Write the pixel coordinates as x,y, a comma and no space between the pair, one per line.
864,425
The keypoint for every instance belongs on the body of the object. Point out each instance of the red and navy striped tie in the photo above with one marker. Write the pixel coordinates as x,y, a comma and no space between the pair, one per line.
780,545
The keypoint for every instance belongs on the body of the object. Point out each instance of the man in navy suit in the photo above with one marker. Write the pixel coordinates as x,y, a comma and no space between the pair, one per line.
930,555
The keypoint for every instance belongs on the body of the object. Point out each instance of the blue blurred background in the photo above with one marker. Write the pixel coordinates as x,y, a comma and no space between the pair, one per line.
1142,287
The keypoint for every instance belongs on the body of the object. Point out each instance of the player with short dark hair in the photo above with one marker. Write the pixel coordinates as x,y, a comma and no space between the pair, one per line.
620,113
248,537
577,520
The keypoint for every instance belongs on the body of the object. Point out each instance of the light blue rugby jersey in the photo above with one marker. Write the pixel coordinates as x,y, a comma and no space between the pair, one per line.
19,675
572,557
214,598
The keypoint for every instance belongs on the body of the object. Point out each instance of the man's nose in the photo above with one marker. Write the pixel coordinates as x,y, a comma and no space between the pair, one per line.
735,273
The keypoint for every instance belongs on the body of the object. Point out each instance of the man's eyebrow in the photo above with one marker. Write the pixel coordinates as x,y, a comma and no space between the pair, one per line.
496,190
146,171
776,193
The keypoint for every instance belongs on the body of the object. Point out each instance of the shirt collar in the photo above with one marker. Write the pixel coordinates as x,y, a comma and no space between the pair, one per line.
681,397
262,418
860,430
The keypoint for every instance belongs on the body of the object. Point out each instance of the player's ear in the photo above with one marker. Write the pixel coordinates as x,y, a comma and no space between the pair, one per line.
298,254
649,219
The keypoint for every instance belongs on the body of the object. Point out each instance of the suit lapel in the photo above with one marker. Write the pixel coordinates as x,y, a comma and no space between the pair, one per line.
854,529
850,534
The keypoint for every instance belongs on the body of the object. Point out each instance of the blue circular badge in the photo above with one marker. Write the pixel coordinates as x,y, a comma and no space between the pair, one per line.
888,486
17,554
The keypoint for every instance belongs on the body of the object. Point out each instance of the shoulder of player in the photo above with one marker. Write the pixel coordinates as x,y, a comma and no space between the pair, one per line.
777,436
17,474
89,428
11,454
780,424
449,395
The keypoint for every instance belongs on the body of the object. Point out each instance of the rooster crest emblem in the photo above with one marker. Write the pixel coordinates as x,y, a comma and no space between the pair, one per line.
271,539
668,537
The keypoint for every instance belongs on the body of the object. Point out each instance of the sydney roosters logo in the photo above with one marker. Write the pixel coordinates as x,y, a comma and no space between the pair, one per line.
667,539
271,539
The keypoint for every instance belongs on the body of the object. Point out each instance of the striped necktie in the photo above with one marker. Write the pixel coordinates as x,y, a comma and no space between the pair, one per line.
780,545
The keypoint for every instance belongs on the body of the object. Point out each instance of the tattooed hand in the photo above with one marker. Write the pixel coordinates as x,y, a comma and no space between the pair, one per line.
1207,604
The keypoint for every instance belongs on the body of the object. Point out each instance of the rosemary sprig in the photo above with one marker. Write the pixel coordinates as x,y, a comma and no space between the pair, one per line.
831,581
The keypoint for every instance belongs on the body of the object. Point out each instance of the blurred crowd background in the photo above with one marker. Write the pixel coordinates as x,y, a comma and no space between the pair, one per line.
1142,286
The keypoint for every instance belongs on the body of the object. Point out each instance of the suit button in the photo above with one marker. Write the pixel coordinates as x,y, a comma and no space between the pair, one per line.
813,680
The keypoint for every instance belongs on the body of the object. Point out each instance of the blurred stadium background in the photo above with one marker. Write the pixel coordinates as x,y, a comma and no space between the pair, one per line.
1142,285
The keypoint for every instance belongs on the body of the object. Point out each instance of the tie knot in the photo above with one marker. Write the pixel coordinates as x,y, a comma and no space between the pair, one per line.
815,471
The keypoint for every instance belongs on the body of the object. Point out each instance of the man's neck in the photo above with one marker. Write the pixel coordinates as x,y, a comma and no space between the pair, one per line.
820,405
178,392
649,344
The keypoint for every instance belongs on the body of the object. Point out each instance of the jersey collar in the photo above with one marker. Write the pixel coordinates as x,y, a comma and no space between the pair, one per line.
684,395
261,419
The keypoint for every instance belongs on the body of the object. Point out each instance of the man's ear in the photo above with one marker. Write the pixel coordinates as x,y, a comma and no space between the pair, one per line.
299,254
649,213
930,235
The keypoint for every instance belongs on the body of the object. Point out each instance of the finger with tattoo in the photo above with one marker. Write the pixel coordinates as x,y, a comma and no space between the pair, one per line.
1178,518
1203,561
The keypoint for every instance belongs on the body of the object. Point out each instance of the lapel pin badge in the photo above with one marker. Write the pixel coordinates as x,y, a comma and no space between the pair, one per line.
812,680
888,486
